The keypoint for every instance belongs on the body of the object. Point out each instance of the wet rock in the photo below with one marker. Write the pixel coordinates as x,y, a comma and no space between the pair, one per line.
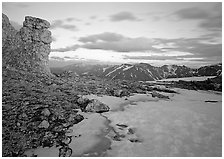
44,124
97,106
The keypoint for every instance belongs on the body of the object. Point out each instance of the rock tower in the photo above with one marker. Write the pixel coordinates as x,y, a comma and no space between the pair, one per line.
28,49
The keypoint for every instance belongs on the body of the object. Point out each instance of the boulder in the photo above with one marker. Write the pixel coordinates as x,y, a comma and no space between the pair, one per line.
97,106
44,124
83,102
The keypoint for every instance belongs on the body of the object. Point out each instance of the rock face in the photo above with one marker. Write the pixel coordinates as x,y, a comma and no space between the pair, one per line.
28,49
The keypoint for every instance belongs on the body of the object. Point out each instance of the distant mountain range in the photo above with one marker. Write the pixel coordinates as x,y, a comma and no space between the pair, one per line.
140,71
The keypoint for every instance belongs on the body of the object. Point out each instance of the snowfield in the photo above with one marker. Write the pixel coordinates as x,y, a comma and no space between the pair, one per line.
188,78
188,124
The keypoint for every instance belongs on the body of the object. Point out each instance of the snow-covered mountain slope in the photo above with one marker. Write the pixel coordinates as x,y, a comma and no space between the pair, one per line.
146,72
143,71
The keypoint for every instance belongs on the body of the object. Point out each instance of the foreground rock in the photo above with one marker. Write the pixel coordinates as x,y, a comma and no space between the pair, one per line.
97,106
92,105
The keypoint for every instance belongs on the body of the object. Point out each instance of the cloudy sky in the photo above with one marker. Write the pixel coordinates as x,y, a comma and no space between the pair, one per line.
155,33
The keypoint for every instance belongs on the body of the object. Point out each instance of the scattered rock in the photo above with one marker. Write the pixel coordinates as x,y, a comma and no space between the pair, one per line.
65,151
46,112
116,138
44,124
131,131
67,140
134,140
211,101
122,125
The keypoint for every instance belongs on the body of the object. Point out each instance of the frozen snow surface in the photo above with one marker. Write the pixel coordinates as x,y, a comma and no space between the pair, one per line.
188,124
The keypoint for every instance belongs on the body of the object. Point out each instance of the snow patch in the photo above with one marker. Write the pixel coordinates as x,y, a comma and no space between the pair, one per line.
127,68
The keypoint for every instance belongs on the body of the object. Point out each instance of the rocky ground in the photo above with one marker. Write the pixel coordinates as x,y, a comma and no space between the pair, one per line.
38,110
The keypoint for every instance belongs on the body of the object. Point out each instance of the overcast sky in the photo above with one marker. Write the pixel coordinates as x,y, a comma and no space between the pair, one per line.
154,33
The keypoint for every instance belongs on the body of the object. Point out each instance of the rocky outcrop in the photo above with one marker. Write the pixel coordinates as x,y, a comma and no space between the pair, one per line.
28,49
37,108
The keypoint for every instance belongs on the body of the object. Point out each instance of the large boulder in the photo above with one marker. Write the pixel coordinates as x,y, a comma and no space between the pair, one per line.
97,106
83,102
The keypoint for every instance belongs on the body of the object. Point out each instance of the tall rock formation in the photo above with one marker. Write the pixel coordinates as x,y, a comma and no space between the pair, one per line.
28,49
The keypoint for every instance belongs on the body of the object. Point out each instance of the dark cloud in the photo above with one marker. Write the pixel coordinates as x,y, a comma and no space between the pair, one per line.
87,23
212,24
210,19
72,19
60,24
192,13
122,16
16,25
69,48
116,42
107,36
198,47
69,19
69,27
93,17
150,57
